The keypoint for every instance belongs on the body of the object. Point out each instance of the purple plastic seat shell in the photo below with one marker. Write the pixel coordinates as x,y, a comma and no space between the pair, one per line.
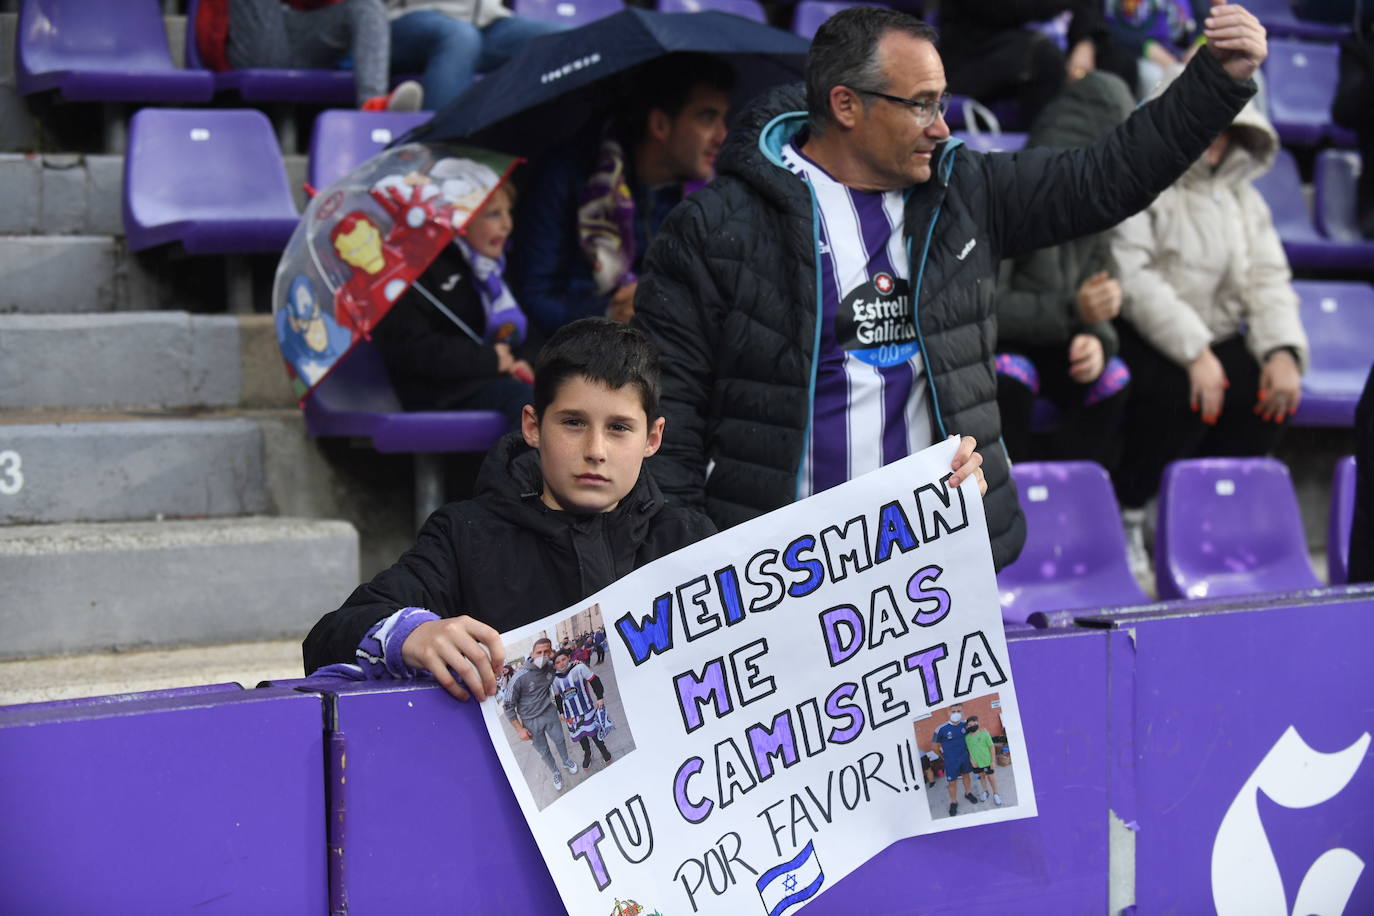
1075,551
1005,142
1279,20
1339,320
343,139
356,400
112,51
212,180
809,15
1333,186
1281,188
749,9
571,12
1341,520
1301,83
1229,526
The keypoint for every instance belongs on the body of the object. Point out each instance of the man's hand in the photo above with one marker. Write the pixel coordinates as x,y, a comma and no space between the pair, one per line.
522,733
622,306
968,462
457,645
1086,359
1280,387
1235,38
1099,298
1207,385
504,358
1081,61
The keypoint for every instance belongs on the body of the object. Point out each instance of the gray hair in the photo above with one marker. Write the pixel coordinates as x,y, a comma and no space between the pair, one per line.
845,53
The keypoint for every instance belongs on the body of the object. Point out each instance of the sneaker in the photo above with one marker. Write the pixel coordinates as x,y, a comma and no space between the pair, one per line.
953,809
983,796
1137,551
572,767
407,96
558,780
972,799
996,799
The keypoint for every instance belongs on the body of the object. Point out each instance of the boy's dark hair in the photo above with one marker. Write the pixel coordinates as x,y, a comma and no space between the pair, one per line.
602,350
666,83
845,53
565,652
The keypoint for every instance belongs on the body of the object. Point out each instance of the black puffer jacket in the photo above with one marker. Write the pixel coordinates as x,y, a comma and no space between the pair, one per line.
506,558
729,288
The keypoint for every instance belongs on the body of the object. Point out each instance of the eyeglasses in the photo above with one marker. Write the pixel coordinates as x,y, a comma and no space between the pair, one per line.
925,110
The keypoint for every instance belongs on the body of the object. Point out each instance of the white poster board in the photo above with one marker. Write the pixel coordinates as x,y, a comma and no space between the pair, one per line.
775,694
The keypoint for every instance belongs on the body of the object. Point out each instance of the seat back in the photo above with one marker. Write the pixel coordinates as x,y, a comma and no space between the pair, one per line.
1339,320
1229,526
1075,551
570,12
1341,518
1281,188
343,139
1301,84
78,34
357,384
810,14
1002,142
749,9
1334,195
211,179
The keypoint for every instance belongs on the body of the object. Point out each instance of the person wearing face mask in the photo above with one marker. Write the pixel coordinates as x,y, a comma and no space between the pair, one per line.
979,744
581,700
949,738
530,708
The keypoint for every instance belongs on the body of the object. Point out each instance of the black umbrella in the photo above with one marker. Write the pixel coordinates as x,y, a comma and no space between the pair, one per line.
557,82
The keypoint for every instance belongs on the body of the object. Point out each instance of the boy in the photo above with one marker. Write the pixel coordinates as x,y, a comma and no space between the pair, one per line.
563,509
581,700
979,745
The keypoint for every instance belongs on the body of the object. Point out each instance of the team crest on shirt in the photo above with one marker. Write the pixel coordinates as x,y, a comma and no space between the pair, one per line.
875,323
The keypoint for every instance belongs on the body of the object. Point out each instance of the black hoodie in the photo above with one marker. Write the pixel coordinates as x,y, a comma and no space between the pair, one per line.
507,559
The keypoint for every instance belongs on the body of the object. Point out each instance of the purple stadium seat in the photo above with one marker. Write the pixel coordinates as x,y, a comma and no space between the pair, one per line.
1075,553
212,180
749,9
1004,142
356,400
1339,320
1301,77
570,12
1280,22
111,51
343,139
1229,526
320,87
810,14
1304,245
1338,525
1333,200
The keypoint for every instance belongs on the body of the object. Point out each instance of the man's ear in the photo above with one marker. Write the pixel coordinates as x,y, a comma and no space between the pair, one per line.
529,426
659,125
655,438
845,106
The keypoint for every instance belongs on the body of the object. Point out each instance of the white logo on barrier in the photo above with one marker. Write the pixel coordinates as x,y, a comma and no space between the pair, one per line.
1245,876
11,477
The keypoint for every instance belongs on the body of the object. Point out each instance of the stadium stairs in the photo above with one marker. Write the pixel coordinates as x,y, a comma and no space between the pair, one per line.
164,519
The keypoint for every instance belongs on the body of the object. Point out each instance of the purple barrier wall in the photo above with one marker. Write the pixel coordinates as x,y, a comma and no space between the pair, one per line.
422,817
1215,690
199,800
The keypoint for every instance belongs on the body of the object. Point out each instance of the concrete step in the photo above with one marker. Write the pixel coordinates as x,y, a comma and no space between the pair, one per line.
122,585
76,194
140,360
41,680
136,469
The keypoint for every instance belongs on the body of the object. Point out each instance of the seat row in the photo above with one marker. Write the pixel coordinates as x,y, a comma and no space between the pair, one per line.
1227,527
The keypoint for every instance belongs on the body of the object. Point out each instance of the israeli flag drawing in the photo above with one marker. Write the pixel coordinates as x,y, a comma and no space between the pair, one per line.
791,883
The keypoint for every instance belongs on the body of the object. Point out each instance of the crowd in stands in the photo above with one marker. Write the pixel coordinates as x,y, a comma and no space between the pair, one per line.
1145,294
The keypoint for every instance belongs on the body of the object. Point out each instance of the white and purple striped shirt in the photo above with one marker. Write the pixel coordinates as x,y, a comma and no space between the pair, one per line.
871,406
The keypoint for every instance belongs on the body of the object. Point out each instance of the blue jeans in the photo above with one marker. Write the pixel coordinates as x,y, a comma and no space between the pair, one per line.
446,52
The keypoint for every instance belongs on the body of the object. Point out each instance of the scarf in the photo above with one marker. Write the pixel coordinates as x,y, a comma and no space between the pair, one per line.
505,322
606,219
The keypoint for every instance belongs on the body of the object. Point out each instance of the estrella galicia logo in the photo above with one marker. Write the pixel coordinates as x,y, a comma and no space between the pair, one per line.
875,322
1245,876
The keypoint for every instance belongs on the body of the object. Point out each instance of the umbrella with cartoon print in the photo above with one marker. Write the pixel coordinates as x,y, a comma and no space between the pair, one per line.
367,239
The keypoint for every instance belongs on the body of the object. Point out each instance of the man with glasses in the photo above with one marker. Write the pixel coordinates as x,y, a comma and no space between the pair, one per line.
826,306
